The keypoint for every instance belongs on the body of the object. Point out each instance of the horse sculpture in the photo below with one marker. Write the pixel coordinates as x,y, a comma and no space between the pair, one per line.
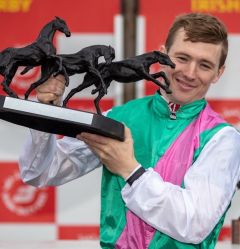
31,55
85,60
129,70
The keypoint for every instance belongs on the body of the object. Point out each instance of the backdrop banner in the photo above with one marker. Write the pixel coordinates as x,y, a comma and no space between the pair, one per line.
62,212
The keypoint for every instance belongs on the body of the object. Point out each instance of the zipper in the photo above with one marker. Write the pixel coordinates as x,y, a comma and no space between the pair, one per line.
173,108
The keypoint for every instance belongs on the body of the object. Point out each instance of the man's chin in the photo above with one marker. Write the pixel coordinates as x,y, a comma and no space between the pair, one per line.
180,100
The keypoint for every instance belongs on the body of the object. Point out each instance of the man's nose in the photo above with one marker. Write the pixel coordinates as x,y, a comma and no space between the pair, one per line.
190,70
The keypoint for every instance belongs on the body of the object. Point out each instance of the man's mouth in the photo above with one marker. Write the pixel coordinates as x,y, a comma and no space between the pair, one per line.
182,84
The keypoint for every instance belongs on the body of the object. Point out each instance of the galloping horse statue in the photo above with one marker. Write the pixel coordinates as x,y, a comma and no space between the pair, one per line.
129,70
85,60
33,54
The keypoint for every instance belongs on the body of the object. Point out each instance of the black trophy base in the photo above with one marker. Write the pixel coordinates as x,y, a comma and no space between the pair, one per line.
57,120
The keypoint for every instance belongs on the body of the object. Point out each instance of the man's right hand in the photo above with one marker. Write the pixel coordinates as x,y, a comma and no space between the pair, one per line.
52,90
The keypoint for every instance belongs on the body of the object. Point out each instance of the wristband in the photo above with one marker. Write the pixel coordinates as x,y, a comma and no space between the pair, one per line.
135,176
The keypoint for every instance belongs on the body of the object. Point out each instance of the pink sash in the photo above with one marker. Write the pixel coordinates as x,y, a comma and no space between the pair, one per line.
172,167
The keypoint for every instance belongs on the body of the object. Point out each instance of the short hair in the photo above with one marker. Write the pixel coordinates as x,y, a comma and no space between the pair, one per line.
200,27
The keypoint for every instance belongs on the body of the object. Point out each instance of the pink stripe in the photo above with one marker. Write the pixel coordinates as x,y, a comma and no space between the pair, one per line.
174,163
136,235
172,167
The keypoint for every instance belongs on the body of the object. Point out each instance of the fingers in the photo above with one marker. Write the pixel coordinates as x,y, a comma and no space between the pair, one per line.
46,98
127,133
52,90
100,145
93,139
61,79
101,139
55,85
117,156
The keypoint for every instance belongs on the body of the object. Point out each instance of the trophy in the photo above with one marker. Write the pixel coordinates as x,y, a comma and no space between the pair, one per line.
63,120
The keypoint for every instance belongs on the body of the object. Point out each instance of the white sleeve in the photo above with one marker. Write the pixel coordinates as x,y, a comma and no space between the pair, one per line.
189,215
46,160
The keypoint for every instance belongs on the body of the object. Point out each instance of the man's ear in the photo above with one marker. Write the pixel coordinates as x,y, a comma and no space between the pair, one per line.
219,74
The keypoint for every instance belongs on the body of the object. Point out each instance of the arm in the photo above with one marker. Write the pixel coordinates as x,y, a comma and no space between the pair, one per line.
48,161
190,214
187,215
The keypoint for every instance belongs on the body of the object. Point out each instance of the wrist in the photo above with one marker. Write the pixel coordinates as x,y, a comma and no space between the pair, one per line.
135,175
132,167
132,172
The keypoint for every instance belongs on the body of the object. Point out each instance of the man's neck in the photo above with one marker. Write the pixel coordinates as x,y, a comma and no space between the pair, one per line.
168,98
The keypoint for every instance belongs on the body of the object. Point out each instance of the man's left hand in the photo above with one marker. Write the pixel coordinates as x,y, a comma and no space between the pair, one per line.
117,156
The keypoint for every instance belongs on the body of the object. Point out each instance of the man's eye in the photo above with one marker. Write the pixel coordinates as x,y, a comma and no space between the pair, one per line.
206,66
181,59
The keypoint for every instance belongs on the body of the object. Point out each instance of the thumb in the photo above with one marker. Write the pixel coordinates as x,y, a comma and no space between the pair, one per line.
127,132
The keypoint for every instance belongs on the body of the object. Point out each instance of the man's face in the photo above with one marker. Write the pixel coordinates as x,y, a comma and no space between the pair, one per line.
197,66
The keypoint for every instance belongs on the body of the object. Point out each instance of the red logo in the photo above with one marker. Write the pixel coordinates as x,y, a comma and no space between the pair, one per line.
21,202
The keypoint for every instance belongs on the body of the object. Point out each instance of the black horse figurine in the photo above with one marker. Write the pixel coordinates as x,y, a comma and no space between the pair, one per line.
86,60
31,55
129,70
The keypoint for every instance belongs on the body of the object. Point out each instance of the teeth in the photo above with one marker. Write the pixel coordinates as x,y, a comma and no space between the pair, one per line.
184,83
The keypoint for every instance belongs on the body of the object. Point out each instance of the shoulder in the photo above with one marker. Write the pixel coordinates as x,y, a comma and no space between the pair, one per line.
229,134
133,106
227,139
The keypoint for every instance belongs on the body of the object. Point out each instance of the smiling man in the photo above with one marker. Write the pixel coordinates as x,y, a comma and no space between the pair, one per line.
170,183
198,66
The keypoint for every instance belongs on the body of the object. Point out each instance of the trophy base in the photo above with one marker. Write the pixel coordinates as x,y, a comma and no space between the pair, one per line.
57,120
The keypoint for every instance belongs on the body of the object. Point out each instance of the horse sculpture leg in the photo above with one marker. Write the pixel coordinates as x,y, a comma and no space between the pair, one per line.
9,74
7,90
166,80
26,69
72,92
65,74
60,64
97,100
97,73
101,93
35,85
46,71
148,76
87,81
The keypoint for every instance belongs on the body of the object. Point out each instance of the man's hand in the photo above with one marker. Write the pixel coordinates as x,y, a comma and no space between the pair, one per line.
52,90
117,156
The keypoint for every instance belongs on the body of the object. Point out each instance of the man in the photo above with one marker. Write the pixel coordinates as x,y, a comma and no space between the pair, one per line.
170,183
